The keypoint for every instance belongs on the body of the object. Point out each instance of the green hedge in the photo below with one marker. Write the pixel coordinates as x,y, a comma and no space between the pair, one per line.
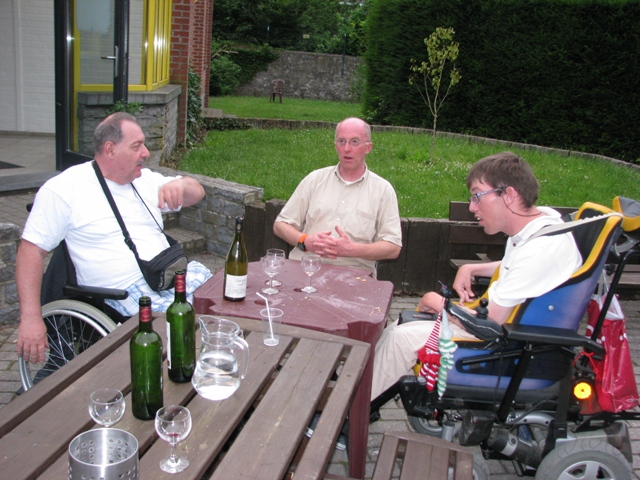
563,74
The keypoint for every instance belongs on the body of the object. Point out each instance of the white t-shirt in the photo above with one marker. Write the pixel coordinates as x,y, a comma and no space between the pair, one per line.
532,268
73,207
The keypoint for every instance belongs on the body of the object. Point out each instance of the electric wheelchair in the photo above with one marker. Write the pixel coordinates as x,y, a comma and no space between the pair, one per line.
512,394
75,316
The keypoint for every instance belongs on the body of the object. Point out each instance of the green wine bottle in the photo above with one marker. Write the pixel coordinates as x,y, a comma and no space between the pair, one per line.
181,334
236,267
145,349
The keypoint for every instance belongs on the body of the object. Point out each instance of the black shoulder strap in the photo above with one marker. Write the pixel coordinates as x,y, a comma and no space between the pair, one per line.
116,212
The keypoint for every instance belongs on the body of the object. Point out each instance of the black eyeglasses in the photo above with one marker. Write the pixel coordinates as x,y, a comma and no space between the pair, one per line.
475,198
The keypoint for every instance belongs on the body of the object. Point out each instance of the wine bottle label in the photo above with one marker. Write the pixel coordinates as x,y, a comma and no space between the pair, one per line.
168,345
236,286
180,283
145,314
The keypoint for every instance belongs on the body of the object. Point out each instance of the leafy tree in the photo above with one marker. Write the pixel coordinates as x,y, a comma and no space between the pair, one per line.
327,26
428,76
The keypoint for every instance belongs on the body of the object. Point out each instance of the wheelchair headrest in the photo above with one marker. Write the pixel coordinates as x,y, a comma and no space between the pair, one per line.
630,209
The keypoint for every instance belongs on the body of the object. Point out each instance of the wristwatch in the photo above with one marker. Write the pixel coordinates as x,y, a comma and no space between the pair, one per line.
301,240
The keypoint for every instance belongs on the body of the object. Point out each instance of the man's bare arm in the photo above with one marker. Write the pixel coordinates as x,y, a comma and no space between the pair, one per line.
380,250
32,333
184,191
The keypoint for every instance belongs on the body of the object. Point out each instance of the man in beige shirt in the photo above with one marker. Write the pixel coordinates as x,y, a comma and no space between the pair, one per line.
345,213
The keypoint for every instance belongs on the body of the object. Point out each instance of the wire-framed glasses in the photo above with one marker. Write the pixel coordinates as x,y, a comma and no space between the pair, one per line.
475,198
354,142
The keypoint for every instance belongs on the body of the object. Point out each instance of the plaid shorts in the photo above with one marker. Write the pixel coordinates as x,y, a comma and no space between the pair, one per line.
197,274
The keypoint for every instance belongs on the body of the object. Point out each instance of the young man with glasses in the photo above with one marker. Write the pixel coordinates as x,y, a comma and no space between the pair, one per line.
345,213
503,195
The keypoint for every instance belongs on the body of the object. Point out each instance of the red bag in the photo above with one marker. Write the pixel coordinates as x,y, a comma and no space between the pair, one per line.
615,382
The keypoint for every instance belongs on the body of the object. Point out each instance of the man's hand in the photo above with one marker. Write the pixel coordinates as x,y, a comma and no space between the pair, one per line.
171,195
322,244
32,339
344,245
462,284
181,192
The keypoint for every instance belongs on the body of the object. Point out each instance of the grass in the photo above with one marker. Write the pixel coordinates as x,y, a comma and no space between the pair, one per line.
289,109
276,160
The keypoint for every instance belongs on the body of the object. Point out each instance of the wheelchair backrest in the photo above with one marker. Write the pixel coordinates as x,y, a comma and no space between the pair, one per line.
564,306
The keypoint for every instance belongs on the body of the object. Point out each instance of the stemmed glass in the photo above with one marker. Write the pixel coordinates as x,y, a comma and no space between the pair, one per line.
106,406
173,424
271,265
310,265
278,253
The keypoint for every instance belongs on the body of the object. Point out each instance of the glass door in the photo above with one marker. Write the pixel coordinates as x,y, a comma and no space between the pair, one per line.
92,52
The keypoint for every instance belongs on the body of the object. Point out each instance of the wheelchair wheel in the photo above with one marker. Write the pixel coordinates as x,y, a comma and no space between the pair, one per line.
584,458
72,327
425,426
480,465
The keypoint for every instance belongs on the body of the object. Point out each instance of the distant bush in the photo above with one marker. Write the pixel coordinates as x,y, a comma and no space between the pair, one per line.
234,65
558,73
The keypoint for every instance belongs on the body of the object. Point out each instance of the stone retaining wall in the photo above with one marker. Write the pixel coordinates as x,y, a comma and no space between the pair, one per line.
306,75
214,216
158,119
9,236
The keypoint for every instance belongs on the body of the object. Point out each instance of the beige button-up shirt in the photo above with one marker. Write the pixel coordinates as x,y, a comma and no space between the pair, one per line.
367,210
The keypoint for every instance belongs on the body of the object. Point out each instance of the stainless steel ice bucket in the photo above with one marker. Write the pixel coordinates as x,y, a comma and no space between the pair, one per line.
103,454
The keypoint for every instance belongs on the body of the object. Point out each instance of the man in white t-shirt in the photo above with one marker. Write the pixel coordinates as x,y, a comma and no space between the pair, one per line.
503,195
73,207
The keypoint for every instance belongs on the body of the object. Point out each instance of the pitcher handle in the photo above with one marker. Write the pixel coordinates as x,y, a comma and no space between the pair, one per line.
244,365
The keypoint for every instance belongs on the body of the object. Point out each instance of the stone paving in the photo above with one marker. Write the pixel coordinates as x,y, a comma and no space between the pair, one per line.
393,417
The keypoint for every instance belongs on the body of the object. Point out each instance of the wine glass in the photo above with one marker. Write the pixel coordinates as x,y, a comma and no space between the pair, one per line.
173,424
310,265
271,265
106,406
278,253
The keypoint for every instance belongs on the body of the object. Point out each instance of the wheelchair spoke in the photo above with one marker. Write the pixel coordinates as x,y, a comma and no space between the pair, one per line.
72,327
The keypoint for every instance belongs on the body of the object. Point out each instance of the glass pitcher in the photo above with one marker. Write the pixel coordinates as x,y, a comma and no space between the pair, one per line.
223,360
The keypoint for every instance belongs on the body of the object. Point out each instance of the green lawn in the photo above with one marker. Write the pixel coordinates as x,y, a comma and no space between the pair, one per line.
289,109
277,160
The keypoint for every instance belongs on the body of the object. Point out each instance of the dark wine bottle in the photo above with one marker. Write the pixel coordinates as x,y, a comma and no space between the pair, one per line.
181,334
145,349
236,267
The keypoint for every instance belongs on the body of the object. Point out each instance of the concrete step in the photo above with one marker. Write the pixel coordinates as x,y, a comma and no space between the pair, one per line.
191,242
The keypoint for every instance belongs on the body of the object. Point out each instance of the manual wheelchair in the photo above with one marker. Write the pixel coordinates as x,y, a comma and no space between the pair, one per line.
510,395
76,317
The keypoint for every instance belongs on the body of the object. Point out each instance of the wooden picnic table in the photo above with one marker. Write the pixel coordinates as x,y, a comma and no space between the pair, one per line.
258,432
349,302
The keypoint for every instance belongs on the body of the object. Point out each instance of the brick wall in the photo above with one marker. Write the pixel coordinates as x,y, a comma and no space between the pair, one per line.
190,43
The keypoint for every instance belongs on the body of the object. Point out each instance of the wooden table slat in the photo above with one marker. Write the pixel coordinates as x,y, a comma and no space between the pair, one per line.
222,416
282,414
31,400
321,446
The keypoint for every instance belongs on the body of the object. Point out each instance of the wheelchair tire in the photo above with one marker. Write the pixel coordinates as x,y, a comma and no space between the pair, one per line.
72,327
584,458
425,426
480,465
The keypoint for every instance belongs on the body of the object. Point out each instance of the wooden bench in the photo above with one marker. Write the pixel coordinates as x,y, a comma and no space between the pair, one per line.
408,456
